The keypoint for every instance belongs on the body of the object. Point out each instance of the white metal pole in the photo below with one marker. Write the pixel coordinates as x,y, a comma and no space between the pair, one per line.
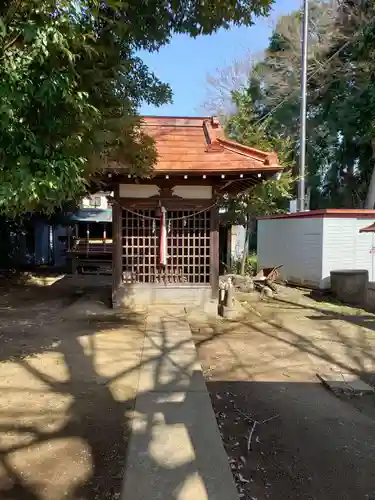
301,184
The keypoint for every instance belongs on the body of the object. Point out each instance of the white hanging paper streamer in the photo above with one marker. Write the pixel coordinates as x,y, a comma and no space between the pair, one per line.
163,236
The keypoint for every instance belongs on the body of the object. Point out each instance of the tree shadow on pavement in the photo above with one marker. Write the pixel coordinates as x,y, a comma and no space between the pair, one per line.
65,434
318,444
364,319
67,410
315,446
76,430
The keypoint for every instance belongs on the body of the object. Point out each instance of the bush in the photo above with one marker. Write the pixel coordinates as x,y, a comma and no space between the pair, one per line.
250,265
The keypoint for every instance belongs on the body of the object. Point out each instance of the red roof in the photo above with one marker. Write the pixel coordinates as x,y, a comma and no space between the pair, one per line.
198,145
368,229
330,212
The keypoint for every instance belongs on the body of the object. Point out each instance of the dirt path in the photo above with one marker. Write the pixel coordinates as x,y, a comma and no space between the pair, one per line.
317,446
68,372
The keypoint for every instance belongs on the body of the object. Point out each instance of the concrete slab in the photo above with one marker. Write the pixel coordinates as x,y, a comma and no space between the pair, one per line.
169,358
176,451
176,326
180,353
161,344
345,382
168,334
167,377
172,334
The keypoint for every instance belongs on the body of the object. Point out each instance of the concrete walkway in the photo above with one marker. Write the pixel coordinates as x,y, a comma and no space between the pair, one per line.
175,450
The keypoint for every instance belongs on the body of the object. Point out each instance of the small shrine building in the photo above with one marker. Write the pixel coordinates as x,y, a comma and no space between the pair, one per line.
166,229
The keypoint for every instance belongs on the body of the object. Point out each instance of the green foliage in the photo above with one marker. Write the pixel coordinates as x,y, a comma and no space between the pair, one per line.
267,198
243,126
272,195
344,100
71,84
66,105
341,97
250,266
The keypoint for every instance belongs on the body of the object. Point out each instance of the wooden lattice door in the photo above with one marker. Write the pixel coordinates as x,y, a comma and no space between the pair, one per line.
188,247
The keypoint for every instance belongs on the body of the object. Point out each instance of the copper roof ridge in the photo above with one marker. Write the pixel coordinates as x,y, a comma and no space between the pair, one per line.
246,154
175,125
256,154
183,117
215,135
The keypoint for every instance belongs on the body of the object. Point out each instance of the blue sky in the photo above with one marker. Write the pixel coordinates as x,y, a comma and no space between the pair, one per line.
186,62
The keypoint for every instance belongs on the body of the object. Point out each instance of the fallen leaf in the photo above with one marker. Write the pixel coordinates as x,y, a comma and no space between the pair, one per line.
242,479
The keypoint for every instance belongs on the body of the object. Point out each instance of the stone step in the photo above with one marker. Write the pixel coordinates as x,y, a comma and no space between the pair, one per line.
175,450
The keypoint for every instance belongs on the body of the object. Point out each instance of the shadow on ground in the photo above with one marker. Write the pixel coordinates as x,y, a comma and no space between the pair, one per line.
314,447
317,445
331,308
64,428
69,375
67,401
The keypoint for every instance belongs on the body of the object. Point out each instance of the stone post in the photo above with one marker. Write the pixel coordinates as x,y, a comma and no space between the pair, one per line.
229,295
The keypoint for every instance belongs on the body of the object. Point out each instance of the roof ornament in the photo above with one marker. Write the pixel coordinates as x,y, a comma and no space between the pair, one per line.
215,123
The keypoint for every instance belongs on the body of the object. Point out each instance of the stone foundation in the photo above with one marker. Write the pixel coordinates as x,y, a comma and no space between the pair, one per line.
140,296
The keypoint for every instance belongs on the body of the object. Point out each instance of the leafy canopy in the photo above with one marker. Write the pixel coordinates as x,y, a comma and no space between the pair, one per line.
271,195
340,98
71,83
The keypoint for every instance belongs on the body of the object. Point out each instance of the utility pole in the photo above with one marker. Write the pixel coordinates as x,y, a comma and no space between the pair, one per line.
304,31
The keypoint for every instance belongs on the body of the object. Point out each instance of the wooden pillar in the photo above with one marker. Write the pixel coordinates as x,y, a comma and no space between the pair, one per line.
214,252
229,248
116,244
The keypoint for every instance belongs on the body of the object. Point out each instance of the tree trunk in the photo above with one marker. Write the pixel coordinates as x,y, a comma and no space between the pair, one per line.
245,252
370,198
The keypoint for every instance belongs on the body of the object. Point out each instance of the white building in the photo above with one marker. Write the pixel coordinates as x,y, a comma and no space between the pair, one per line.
98,200
309,245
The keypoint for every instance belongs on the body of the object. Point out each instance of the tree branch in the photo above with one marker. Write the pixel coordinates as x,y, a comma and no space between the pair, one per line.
9,44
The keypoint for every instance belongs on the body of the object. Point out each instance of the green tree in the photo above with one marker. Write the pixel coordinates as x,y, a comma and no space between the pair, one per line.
340,98
344,99
270,196
71,83
275,86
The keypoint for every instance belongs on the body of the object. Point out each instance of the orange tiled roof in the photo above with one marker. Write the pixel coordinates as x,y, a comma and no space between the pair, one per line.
199,145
